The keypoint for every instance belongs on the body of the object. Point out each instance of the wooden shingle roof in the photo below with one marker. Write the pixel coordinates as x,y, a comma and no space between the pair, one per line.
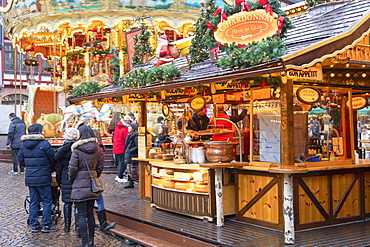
321,32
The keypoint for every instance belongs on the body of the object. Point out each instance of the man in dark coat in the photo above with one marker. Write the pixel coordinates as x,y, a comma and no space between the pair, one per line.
17,128
37,155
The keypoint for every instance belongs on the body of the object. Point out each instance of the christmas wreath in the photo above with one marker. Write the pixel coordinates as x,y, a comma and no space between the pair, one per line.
242,56
31,62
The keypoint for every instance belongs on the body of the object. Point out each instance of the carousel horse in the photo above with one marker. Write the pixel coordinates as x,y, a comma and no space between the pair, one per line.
83,112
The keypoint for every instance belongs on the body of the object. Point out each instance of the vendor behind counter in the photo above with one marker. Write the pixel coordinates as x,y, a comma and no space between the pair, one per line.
221,113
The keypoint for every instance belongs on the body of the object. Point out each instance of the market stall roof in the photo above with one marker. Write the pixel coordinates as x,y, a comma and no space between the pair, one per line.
324,31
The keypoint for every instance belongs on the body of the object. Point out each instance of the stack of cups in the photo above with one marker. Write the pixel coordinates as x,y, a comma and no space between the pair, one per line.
197,155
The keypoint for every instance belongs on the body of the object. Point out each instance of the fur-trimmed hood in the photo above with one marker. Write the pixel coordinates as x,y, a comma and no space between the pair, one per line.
32,140
86,145
39,137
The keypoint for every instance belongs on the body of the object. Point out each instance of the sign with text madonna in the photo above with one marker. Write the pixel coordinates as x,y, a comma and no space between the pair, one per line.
247,27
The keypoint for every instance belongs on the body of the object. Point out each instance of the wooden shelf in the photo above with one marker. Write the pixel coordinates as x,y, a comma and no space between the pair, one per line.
180,180
182,191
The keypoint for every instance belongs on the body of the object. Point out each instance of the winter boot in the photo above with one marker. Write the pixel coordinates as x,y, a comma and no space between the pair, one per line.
104,226
67,217
77,228
130,183
91,242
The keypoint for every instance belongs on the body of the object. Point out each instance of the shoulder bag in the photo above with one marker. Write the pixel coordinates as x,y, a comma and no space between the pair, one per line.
96,183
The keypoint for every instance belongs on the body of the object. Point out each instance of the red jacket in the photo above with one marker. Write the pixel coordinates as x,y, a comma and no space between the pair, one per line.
120,134
223,125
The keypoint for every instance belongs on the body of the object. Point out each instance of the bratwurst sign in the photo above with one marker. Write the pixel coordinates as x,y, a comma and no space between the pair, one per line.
246,27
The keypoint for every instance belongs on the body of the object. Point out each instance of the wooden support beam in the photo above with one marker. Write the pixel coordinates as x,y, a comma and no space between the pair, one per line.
287,125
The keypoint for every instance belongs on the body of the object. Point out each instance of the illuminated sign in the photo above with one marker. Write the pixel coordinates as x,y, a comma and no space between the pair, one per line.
358,102
247,27
313,73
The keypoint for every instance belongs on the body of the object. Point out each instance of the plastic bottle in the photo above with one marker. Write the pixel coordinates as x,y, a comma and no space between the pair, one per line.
357,157
332,156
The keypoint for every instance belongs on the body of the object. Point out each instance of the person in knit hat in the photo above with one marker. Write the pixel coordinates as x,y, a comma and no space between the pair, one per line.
62,157
37,155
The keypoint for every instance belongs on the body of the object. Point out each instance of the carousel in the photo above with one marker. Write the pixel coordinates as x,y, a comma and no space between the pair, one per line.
91,42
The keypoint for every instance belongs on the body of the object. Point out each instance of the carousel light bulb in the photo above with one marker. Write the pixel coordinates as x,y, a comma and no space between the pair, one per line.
347,65
332,74
331,65
364,75
348,74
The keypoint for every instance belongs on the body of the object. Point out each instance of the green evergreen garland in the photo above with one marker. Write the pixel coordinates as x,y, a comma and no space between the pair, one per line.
142,47
114,68
141,77
203,40
86,88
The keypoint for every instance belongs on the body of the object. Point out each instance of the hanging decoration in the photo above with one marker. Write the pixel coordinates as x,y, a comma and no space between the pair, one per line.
141,77
86,88
31,62
245,55
114,67
142,46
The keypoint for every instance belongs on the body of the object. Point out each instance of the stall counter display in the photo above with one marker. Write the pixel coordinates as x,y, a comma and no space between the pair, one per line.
187,189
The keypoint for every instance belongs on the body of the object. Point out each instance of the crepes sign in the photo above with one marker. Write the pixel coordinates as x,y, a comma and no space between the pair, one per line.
247,27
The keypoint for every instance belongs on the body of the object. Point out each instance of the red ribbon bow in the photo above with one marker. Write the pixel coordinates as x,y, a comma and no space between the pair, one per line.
280,21
245,5
263,84
262,2
223,14
269,9
216,50
243,85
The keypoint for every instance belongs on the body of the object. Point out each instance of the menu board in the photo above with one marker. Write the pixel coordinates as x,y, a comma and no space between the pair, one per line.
142,147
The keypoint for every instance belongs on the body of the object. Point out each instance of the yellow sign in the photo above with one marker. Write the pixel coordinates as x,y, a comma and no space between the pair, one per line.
141,97
229,85
313,73
247,27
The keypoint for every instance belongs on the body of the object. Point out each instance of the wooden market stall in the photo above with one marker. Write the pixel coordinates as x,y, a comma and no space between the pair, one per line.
318,182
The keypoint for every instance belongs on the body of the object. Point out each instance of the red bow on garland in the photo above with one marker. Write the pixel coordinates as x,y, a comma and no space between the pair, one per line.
280,21
263,84
223,14
243,85
245,5
216,50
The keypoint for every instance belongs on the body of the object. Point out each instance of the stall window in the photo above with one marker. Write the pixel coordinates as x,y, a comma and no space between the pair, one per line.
266,131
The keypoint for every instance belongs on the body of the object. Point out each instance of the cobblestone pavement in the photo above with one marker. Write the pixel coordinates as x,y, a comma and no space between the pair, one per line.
13,219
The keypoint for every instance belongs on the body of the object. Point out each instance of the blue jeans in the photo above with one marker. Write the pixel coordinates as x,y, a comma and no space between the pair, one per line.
121,165
100,202
38,193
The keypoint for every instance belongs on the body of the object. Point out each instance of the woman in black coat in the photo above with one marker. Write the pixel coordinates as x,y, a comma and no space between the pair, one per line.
62,156
131,151
85,161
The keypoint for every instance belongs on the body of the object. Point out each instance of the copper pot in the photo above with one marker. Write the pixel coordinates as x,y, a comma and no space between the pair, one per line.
220,151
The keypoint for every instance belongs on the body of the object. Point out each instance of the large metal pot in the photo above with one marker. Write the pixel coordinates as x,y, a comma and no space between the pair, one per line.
220,151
